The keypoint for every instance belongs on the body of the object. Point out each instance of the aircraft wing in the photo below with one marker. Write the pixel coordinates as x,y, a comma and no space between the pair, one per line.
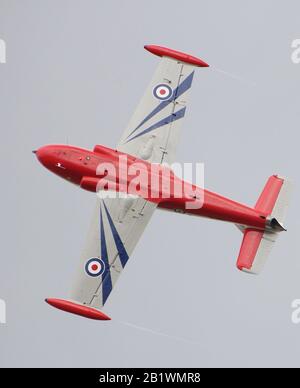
118,223
153,131
116,227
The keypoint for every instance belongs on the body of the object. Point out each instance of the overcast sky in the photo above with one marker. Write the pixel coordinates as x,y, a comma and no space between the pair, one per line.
74,73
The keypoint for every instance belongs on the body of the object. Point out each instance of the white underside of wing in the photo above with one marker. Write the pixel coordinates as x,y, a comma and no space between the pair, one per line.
116,227
153,131
152,134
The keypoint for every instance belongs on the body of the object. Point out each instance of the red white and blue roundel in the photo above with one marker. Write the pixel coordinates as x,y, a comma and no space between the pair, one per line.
162,92
94,267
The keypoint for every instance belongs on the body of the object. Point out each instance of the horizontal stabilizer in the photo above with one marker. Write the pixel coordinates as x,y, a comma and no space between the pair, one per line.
275,197
255,249
257,244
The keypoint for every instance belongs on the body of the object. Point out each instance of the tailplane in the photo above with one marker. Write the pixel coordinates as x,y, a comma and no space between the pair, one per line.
257,244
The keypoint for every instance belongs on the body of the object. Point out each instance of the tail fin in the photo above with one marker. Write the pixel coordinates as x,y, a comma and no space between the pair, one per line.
257,244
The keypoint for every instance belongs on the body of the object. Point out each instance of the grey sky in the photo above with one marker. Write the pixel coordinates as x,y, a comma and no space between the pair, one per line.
75,71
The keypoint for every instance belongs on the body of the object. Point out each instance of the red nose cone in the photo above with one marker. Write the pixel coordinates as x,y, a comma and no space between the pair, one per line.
44,155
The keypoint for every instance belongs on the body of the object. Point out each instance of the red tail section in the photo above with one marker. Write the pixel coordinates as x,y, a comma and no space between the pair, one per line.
250,244
269,195
257,244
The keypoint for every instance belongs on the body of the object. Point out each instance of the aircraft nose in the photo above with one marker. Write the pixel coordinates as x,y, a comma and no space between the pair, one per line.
44,155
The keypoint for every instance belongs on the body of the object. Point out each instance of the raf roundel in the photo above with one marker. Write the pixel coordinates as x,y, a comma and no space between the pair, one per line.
163,92
94,267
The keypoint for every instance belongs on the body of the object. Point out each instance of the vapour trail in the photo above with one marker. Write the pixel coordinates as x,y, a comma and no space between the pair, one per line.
234,76
158,333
